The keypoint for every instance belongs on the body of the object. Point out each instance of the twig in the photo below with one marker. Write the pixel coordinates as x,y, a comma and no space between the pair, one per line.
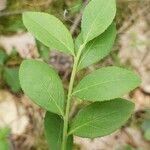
11,13
78,19
76,23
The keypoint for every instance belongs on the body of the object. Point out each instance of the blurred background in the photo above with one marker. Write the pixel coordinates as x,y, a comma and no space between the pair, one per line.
21,121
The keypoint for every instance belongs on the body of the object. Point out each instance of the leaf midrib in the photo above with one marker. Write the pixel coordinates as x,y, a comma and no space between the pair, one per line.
59,108
100,84
94,24
91,120
87,52
50,34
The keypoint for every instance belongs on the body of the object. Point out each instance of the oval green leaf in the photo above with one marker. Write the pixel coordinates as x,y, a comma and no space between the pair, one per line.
53,131
97,17
3,57
49,30
98,48
106,83
42,85
11,76
101,118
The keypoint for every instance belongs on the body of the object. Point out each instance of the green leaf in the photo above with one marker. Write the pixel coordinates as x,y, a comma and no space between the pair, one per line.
49,30
97,17
3,57
4,145
43,50
11,77
53,131
15,25
44,53
106,83
78,42
147,134
127,147
76,6
4,132
42,85
98,48
145,125
101,118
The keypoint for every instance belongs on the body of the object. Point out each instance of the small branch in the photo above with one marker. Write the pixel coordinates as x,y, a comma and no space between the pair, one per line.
78,19
11,13
76,23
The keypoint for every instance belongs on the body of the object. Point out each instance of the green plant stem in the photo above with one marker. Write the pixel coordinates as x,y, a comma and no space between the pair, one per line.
69,96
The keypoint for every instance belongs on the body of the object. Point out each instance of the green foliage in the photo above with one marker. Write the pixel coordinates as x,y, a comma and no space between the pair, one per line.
101,46
146,125
53,131
127,147
97,17
52,33
4,145
76,6
44,51
146,129
4,132
147,134
101,119
14,24
3,58
106,83
11,76
42,84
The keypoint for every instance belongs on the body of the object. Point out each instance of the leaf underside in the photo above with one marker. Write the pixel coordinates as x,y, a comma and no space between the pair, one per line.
101,118
49,30
53,131
42,85
97,17
106,83
96,49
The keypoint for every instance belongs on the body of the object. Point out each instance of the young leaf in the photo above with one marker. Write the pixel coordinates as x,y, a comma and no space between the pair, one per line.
3,57
42,84
49,30
11,77
53,131
97,17
106,83
100,119
98,48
